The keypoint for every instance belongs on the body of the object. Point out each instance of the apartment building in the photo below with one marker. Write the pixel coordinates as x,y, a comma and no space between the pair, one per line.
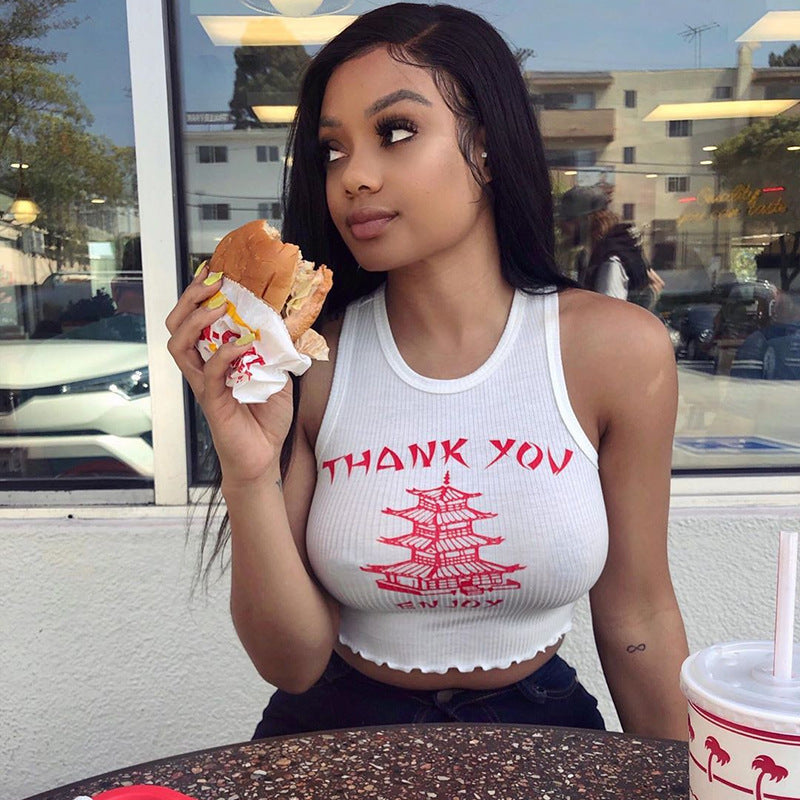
660,173
231,177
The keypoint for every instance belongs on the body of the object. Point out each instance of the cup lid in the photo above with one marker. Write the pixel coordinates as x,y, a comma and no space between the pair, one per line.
737,676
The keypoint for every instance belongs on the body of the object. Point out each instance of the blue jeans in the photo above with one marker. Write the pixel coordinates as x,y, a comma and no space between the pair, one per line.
344,698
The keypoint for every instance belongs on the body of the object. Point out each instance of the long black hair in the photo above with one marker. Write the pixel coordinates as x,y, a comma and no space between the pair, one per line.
480,80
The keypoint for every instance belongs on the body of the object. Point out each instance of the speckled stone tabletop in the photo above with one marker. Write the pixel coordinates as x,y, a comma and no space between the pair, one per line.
450,762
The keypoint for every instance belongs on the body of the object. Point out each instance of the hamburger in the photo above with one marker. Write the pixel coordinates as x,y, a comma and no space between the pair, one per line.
254,256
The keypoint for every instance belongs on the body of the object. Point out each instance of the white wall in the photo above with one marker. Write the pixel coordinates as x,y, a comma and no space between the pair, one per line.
106,661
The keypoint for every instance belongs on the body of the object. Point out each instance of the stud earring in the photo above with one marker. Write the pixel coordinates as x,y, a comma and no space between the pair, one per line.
484,155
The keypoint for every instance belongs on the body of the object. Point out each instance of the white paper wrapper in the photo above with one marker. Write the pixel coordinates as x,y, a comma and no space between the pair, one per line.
263,368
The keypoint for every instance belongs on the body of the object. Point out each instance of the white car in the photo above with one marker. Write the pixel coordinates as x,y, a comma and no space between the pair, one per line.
74,409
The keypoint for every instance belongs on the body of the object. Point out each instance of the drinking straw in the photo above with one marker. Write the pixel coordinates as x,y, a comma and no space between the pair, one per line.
784,605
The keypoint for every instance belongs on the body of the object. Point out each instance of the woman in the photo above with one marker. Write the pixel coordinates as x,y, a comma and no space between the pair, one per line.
471,461
610,259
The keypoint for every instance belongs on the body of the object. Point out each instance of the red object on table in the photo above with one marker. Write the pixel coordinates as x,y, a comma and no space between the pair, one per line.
142,791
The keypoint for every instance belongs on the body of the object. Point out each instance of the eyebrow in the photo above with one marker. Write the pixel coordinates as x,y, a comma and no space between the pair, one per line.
379,105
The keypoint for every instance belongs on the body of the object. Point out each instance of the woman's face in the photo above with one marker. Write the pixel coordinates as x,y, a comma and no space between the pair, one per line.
399,190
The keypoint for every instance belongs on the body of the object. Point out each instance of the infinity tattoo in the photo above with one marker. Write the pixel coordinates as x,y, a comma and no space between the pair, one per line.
636,648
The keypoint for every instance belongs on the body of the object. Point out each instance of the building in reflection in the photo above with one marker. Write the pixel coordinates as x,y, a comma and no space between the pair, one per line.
232,177
660,173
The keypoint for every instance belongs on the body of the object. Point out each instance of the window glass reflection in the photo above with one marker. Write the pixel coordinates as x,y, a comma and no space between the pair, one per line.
689,134
74,382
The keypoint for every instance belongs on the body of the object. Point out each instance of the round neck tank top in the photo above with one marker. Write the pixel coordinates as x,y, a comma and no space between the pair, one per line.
456,521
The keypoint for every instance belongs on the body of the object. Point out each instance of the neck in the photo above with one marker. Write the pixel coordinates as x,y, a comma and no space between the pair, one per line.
451,295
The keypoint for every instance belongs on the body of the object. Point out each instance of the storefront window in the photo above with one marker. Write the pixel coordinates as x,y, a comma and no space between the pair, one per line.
74,382
693,137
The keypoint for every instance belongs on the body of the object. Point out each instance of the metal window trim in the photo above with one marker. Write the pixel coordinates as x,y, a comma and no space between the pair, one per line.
770,494
155,169
150,88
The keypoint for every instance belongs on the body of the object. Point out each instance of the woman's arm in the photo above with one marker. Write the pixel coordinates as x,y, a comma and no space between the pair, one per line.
286,621
638,627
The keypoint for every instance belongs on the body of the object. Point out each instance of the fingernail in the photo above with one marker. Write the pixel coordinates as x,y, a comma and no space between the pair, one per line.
200,268
246,339
212,278
216,301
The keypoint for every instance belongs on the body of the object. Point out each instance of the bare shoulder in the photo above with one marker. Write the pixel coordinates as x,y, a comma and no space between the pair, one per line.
316,384
610,330
617,353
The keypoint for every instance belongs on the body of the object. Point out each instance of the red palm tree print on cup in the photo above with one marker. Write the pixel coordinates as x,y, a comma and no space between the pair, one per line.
715,752
769,769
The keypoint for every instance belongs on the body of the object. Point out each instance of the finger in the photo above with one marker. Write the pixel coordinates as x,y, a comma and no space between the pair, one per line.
186,335
182,345
203,287
218,367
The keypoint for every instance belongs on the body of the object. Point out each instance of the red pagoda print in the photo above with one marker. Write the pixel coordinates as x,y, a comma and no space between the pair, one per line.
445,557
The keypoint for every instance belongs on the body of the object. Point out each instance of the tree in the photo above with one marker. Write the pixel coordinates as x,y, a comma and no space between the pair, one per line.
265,75
754,160
44,122
790,58
73,166
28,88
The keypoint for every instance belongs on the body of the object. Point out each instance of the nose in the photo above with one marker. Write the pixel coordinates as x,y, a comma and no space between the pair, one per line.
361,174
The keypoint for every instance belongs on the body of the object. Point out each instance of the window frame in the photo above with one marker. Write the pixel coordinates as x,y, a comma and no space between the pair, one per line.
268,151
270,205
630,94
160,218
687,188
683,132
696,490
218,153
222,212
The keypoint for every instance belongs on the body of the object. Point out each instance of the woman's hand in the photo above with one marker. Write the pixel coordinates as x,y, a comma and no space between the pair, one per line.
656,282
247,437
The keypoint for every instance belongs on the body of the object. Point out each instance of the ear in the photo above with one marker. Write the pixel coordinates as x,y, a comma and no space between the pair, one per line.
482,154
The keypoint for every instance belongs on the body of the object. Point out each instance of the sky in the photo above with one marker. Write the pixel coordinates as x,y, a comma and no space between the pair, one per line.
565,35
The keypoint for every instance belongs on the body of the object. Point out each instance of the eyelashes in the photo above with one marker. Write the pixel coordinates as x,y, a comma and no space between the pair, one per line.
390,131
388,126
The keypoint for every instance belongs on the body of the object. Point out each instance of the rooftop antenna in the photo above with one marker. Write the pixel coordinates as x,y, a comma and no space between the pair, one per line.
695,34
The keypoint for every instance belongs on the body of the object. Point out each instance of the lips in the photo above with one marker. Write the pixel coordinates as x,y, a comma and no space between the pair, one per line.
367,223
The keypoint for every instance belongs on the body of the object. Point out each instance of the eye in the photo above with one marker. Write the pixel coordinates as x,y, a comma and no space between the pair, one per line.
398,134
394,130
329,152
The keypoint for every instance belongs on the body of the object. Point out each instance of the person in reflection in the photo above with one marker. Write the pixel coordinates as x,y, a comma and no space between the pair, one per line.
609,258
127,292
126,323
412,524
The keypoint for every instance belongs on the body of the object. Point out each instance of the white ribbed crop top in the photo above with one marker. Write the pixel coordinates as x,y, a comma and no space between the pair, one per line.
456,521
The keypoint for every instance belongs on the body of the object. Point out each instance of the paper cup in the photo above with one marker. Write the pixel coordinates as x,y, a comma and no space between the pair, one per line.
744,726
